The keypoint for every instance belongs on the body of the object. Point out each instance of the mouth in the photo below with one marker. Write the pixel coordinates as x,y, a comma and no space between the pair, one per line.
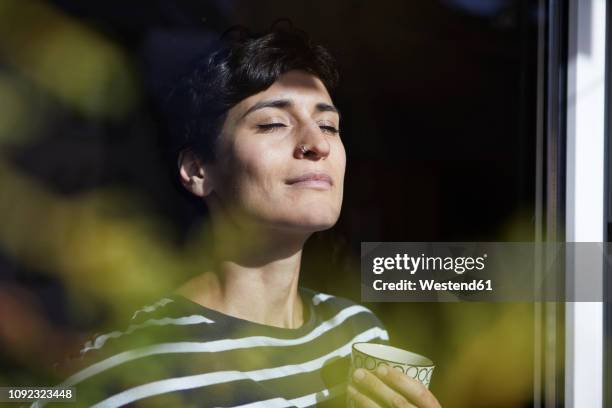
318,181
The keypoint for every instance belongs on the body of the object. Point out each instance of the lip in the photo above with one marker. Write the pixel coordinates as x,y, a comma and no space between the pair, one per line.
312,180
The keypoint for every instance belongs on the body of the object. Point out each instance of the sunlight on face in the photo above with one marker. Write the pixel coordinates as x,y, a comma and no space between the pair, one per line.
280,159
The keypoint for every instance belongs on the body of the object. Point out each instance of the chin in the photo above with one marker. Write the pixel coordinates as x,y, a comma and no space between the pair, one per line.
310,222
316,222
317,227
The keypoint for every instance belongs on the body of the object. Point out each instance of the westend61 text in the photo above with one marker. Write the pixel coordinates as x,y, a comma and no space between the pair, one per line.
430,284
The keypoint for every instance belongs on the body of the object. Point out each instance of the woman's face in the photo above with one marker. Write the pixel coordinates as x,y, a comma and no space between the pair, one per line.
280,160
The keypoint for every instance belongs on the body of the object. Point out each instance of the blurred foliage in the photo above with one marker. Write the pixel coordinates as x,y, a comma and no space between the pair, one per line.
79,238
72,62
53,65
484,352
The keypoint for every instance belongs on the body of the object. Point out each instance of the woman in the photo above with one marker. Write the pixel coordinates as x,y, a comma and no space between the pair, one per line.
261,146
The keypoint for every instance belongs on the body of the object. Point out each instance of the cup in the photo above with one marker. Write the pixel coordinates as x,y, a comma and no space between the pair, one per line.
371,355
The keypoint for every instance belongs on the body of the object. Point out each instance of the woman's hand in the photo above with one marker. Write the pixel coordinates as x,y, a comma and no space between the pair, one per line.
388,388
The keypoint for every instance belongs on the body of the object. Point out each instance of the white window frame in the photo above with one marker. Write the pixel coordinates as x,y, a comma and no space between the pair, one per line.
585,176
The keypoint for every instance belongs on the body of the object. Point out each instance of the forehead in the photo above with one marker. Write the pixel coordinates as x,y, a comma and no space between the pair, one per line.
299,82
298,86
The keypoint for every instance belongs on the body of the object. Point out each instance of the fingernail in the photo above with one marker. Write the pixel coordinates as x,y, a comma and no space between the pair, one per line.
359,374
382,370
351,390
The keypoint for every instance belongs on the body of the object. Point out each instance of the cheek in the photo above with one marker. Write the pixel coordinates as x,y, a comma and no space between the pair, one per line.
255,169
342,161
340,164
340,169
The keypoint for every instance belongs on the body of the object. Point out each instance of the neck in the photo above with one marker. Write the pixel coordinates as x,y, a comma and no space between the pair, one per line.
254,276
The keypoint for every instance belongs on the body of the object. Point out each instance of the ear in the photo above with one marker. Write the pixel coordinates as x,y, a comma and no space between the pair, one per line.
194,174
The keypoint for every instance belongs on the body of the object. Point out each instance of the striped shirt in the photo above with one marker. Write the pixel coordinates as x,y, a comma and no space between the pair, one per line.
179,353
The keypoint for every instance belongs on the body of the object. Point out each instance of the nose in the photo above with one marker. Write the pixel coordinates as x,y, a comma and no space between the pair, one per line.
312,143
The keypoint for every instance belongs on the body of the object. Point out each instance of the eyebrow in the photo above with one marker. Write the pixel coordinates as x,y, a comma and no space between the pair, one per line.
286,103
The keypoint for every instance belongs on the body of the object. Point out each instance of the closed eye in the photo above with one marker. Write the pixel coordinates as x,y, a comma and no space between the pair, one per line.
329,129
270,127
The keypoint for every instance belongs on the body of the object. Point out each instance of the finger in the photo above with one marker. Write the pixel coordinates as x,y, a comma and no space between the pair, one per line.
410,388
371,385
360,400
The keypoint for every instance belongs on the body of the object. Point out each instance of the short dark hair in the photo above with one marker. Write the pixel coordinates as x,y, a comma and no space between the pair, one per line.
242,65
